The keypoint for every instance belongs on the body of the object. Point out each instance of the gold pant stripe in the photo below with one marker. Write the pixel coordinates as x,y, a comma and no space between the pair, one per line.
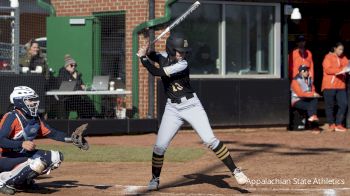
224,157
158,159
157,165
222,148
159,162
223,152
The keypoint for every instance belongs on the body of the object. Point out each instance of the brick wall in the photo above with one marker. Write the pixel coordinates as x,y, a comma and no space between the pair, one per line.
31,25
136,13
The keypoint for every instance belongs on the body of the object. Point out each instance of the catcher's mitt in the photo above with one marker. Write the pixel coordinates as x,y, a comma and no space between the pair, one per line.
78,138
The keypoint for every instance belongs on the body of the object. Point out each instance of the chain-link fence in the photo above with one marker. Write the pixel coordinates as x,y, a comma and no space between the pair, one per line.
17,31
76,78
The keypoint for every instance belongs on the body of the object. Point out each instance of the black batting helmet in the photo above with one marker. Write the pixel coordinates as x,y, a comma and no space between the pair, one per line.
177,42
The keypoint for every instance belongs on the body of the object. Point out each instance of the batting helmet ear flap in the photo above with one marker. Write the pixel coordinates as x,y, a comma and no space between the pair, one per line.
169,46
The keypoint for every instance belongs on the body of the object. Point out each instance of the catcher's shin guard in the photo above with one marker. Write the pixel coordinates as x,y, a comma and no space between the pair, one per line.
52,158
223,154
24,171
54,161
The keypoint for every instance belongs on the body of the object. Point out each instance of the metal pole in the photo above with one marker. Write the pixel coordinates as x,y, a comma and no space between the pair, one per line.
259,52
15,36
285,47
150,77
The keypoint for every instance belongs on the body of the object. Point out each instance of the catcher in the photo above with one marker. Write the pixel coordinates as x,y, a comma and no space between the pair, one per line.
20,161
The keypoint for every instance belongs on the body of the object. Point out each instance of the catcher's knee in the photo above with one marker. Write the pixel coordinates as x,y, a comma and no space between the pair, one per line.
212,143
159,150
38,165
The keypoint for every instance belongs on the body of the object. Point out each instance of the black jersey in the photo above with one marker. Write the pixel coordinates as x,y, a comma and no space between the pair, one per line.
177,79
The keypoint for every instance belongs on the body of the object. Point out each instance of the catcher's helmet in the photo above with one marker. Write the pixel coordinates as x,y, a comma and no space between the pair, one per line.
176,42
25,99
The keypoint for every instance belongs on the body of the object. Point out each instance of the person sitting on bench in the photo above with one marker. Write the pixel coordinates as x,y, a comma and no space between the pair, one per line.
304,96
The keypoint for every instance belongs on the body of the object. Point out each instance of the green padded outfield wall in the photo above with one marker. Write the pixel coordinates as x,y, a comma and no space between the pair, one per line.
80,39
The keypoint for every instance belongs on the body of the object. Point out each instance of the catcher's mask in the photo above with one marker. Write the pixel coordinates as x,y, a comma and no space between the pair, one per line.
25,99
177,42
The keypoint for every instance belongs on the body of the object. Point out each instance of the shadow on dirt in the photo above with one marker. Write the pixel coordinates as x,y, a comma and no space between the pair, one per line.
55,186
71,184
39,190
216,180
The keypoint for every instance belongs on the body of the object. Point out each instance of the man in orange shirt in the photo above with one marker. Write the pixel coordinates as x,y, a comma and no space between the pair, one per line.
300,56
304,96
335,65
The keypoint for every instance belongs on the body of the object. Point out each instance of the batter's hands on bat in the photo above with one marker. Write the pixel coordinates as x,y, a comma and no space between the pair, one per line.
28,145
78,138
143,50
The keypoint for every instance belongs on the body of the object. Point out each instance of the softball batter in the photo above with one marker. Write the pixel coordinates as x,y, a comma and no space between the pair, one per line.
182,105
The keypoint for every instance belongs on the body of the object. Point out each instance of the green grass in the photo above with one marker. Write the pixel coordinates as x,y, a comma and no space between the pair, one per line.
104,153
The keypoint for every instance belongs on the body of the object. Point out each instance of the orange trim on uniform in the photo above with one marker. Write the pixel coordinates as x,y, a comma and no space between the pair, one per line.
333,64
15,128
43,129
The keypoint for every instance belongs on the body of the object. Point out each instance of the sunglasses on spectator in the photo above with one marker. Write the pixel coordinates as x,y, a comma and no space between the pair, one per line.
73,65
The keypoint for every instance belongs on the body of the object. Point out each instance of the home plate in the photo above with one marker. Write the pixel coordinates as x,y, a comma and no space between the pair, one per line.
133,189
329,192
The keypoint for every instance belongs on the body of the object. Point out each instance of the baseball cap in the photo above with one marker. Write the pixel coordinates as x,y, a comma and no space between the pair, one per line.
303,68
301,38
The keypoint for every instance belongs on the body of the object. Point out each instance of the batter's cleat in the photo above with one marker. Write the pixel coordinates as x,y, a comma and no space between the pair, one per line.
7,190
340,128
153,184
241,178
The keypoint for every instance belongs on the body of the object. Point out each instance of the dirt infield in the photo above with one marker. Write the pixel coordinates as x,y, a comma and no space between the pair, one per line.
276,161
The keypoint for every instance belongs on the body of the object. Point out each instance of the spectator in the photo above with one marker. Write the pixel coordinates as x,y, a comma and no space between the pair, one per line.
333,86
300,56
304,96
34,60
203,63
69,73
82,104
